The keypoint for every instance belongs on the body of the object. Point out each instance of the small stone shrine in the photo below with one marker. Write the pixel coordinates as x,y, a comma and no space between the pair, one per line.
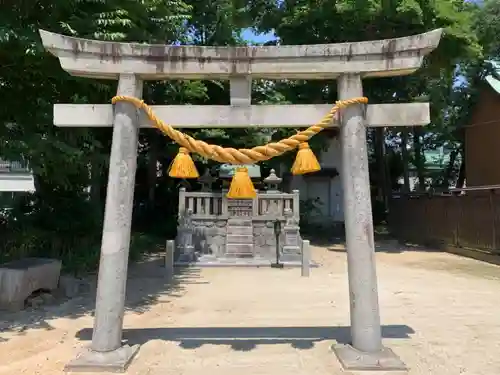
214,229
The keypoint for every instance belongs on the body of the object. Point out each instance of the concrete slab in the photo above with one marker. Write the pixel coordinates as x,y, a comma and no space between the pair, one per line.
225,116
20,278
354,360
116,361
238,262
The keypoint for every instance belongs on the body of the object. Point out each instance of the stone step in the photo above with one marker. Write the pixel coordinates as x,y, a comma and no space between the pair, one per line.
239,249
240,222
239,238
239,230
239,256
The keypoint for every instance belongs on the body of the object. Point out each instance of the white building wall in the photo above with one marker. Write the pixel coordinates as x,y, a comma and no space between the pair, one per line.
328,190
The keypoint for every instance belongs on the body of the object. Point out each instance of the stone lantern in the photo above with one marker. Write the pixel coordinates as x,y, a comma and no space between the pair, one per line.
273,182
206,181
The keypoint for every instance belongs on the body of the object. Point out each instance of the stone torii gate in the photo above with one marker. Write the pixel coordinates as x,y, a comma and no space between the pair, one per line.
131,64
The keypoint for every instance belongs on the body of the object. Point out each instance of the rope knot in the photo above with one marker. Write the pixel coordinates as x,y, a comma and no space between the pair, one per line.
303,145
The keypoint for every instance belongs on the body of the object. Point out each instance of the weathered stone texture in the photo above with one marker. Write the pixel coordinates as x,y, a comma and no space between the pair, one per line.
101,59
243,230
20,278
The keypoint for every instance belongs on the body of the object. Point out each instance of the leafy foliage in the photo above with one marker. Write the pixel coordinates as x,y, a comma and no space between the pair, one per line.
64,217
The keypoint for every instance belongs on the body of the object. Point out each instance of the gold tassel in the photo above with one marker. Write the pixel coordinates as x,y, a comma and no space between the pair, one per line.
305,161
183,166
241,185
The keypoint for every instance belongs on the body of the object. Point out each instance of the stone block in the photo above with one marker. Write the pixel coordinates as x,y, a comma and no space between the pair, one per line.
240,230
115,361
270,240
259,241
292,250
214,249
352,359
72,286
240,222
267,252
20,278
242,250
214,239
239,238
215,231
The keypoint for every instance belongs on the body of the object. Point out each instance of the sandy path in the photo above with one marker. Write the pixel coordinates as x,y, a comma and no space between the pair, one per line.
439,312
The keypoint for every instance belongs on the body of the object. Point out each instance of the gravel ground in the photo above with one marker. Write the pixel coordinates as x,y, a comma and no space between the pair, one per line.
439,314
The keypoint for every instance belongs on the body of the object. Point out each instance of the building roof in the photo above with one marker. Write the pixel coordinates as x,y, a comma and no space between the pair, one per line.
436,160
493,79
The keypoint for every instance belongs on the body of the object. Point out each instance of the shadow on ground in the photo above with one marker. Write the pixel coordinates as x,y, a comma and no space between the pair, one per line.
383,244
247,338
146,283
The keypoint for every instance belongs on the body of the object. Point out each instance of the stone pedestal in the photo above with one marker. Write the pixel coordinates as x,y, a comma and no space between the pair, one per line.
185,234
352,359
291,241
115,361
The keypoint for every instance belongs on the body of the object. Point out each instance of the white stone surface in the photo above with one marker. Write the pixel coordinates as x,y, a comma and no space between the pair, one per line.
261,116
20,278
16,182
328,190
100,59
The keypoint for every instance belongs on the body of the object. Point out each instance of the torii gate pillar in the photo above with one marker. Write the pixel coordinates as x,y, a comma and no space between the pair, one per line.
363,294
112,276
346,62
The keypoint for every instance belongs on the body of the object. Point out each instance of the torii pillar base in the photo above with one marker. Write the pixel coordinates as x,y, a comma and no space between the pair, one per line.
115,361
352,359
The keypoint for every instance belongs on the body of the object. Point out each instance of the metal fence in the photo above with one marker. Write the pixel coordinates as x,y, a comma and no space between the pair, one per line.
469,220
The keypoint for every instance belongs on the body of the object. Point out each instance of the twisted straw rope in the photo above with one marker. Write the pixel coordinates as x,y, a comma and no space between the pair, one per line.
242,155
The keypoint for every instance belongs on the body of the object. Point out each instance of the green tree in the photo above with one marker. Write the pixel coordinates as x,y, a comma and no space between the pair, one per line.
62,220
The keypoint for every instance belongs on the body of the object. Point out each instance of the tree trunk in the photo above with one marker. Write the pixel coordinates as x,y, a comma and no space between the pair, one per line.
449,169
406,160
419,158
388,177
381,165
37,181
152,168
462,172
95,182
